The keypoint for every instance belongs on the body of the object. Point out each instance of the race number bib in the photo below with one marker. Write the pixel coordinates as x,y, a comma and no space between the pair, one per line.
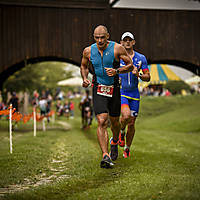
105,90
87,109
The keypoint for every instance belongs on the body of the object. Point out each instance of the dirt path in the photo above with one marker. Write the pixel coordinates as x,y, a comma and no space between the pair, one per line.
57,166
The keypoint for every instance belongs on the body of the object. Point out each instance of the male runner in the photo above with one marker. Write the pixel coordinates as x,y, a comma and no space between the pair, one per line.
130,96
86,110
104,56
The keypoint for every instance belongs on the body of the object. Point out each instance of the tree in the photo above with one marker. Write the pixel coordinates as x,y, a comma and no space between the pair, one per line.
37,76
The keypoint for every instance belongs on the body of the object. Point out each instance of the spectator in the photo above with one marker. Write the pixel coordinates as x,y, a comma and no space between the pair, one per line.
167,93
43,106
14,101
66,109
71,103
35,99
59,108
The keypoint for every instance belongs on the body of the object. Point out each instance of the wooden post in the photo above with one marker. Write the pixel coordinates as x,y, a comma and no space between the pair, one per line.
10,123
34,121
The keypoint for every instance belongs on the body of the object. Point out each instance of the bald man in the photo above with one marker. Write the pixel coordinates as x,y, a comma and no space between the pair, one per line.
104,57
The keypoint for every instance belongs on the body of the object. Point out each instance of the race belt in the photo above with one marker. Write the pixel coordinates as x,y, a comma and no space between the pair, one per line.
105,90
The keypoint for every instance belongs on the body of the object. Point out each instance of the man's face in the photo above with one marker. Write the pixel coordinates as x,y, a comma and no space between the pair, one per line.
128,43
101,40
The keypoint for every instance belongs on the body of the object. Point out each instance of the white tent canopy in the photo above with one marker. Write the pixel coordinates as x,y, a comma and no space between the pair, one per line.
193,80
75,81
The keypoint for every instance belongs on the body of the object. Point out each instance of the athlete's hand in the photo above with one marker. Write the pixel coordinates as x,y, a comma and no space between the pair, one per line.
110,71
86,83
135,71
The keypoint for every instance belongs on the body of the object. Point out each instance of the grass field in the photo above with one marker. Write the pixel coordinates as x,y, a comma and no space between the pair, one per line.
63,164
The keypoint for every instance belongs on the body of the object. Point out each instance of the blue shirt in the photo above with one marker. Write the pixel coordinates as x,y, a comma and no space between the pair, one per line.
129,81
100,62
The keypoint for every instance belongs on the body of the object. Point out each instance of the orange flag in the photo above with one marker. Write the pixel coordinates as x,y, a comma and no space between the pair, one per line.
4,112
16,116
39,118
7,112
26,118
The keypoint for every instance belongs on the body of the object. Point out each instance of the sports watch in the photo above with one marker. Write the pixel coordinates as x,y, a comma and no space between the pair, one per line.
140,75
117,71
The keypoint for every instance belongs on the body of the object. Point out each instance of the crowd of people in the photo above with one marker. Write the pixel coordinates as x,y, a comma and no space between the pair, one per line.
65,109
155,91
62,103
43,101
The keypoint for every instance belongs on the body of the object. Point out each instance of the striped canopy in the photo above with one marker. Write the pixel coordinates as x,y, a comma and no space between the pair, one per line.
161,73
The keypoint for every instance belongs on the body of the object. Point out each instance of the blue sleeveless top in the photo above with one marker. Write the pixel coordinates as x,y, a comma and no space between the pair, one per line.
99,63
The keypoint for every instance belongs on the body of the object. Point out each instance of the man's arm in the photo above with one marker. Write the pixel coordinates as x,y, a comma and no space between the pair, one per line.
121,53
127,60
84,67
145,76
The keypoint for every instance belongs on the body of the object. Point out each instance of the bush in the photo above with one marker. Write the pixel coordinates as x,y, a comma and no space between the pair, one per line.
175,87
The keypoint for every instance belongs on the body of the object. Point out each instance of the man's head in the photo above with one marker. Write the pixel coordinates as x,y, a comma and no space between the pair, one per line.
101,36
127,40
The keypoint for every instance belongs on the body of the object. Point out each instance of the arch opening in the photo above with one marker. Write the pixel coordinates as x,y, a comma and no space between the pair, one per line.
20,65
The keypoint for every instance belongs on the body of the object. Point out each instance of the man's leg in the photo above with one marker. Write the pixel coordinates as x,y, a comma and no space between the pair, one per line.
130,132
115,127
102,132
125,118
129,137
102,135
100,107
134,106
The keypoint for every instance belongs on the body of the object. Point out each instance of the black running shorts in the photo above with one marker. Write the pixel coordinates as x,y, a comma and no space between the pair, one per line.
103,104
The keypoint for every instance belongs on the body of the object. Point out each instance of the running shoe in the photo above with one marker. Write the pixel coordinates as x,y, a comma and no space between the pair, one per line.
106,162
126,153
121,139
113,149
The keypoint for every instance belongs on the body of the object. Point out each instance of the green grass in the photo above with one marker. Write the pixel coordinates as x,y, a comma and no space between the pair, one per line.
165,163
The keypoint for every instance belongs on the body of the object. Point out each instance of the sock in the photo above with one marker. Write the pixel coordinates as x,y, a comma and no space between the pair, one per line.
105,154
126,147
115,141
123,131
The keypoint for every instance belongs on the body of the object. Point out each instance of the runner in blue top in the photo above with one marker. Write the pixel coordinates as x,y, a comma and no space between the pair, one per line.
104,57
130,96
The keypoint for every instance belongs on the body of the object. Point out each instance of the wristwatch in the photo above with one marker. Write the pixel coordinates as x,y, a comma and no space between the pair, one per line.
117,71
